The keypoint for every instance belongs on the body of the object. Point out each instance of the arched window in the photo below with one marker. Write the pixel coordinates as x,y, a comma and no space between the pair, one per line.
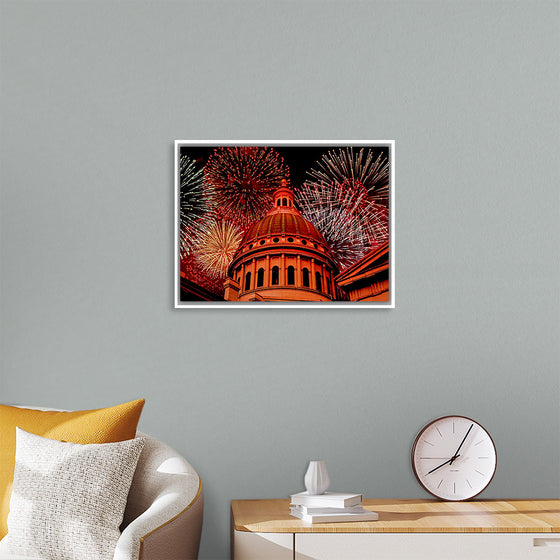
318,282
247,281
260,277
305,277
284,202
275,275
291,275
278,202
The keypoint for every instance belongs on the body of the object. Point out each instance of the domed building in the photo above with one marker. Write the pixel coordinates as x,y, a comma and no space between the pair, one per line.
282,258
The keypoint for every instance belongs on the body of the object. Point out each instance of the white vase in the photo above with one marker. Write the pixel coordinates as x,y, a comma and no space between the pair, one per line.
316,478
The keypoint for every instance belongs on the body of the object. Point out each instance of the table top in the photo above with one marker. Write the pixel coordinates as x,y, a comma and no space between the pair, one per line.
409,516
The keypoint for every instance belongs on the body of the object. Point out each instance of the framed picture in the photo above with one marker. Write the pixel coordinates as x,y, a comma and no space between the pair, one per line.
273,223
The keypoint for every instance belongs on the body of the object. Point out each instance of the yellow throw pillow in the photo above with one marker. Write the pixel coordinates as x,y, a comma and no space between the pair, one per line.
103,425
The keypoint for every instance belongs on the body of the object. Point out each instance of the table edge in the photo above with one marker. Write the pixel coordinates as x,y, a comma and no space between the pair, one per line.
342,527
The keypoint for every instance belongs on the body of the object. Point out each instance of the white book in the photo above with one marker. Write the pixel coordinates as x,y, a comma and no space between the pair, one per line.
312,510
365,515
328,499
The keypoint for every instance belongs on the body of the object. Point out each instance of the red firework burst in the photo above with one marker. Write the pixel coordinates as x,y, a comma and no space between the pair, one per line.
243,179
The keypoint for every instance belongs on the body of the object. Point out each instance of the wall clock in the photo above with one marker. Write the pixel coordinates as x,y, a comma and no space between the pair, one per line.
454,458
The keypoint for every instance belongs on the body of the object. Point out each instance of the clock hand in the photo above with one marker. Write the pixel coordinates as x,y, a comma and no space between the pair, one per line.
461,445
443,464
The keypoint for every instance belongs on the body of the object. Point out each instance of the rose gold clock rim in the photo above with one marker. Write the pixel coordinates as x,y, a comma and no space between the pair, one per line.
423,430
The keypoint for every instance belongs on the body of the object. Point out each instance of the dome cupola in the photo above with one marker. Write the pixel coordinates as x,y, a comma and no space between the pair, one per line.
284,197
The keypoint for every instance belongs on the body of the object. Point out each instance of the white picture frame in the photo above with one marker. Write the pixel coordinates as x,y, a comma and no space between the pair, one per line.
183,146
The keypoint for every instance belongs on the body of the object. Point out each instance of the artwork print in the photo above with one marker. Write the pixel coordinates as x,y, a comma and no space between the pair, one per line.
300,224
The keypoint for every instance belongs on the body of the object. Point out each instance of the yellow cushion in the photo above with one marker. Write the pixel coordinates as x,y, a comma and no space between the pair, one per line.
104,425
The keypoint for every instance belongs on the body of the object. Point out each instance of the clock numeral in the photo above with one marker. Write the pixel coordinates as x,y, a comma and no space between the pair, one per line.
438,432
479,442
468,482
482,474
429,443
440,483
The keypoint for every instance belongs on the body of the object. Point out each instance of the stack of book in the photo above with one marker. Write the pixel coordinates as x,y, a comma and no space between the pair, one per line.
330,507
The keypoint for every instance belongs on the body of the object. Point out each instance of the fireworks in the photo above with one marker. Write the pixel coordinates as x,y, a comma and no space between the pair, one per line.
346,198
244,179
350,222
225,190
195,203
355,171
216,245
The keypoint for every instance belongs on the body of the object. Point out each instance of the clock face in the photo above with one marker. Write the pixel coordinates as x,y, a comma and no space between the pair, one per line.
454,458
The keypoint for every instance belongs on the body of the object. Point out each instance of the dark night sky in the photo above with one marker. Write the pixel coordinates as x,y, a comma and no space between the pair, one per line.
298,158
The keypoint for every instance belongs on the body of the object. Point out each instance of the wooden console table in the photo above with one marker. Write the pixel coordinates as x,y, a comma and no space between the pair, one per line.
406,529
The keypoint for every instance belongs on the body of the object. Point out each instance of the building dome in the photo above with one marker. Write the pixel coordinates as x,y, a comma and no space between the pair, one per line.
282,258
281,222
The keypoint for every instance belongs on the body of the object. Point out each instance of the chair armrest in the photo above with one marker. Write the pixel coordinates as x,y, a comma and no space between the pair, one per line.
162,532
163,517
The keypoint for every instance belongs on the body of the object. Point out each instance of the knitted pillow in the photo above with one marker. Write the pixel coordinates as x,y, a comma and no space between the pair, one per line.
103,425
68,499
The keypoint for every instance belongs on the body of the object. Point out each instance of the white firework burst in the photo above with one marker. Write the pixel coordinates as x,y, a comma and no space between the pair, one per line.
194,203
350,222
215,245
356,170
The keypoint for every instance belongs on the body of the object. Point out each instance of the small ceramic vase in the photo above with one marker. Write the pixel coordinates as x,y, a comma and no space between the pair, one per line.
316,478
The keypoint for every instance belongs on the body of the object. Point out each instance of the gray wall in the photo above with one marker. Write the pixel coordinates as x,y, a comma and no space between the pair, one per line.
93,95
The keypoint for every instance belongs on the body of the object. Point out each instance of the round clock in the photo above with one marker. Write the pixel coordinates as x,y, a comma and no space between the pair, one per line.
454,458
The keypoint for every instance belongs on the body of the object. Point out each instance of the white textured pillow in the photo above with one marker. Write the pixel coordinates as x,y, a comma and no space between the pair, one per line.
68,499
